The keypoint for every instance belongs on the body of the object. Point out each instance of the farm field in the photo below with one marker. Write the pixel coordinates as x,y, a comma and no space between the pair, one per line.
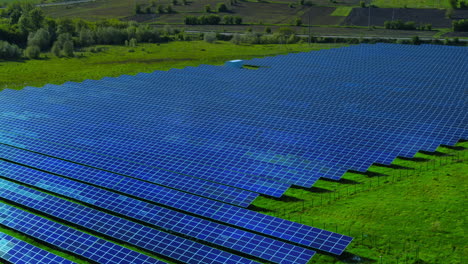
115,61
278,14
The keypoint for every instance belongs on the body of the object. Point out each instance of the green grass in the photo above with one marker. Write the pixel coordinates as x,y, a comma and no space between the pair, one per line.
117,60
342,11
399,214
412,3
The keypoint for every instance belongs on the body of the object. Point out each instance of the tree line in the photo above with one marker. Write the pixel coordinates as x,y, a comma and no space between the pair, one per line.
25,27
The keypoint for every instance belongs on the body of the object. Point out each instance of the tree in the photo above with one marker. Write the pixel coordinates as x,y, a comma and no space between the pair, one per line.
237,20
209,37
174,2
268,30
86,37
148,10
160,9
453,3
221,7
65,25
67,49
9,51
40,38
56,48
236,39
228,20
208,8
138,9
37,18
32,52
132,43
170,9
298,21
25,23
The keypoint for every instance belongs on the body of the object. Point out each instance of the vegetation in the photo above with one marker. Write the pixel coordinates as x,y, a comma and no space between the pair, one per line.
460,25
409,25
342,11
101,61
409,212
411,4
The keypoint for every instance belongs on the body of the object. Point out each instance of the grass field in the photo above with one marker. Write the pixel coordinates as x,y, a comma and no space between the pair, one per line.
342,11
411,3
410,212
117,60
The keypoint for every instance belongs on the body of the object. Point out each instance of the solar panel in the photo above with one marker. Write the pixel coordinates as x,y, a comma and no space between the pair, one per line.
17,251
166,218
157,241
266,108
69,239
108,180
212,131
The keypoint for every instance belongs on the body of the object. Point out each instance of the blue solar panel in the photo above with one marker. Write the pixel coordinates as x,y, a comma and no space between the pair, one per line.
17,251
108,180
157,241
172,220
206,101
212,130
69,239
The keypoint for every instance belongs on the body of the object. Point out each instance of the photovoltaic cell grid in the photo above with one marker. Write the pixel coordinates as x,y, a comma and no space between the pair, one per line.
17,251
69,239
157,241
227,134
174,221
265,124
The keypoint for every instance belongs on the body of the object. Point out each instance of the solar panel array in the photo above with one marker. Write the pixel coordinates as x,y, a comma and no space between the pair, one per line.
177,156
17,251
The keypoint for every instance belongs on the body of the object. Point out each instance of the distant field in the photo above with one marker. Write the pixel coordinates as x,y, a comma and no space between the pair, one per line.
342,11
117,60
412,3
409,212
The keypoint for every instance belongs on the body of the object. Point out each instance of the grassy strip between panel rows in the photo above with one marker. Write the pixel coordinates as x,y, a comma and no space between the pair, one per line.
408,212
114,61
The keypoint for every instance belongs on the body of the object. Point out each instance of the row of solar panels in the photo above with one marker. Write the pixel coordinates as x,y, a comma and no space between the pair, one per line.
176,152
173,218
188,152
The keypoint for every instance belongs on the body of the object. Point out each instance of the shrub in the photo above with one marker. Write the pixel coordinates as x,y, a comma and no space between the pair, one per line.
221,7
210,37
32,52
298,21
268,30
237,20
236,39
208,8
362,4
9,51
415,40
67,49
132,43
56,49
40,38
453,3
460,25
398,24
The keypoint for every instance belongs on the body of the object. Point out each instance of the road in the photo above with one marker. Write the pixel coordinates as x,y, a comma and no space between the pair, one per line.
335,36
65,3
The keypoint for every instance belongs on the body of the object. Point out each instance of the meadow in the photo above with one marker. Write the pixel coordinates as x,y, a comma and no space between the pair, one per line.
114,61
